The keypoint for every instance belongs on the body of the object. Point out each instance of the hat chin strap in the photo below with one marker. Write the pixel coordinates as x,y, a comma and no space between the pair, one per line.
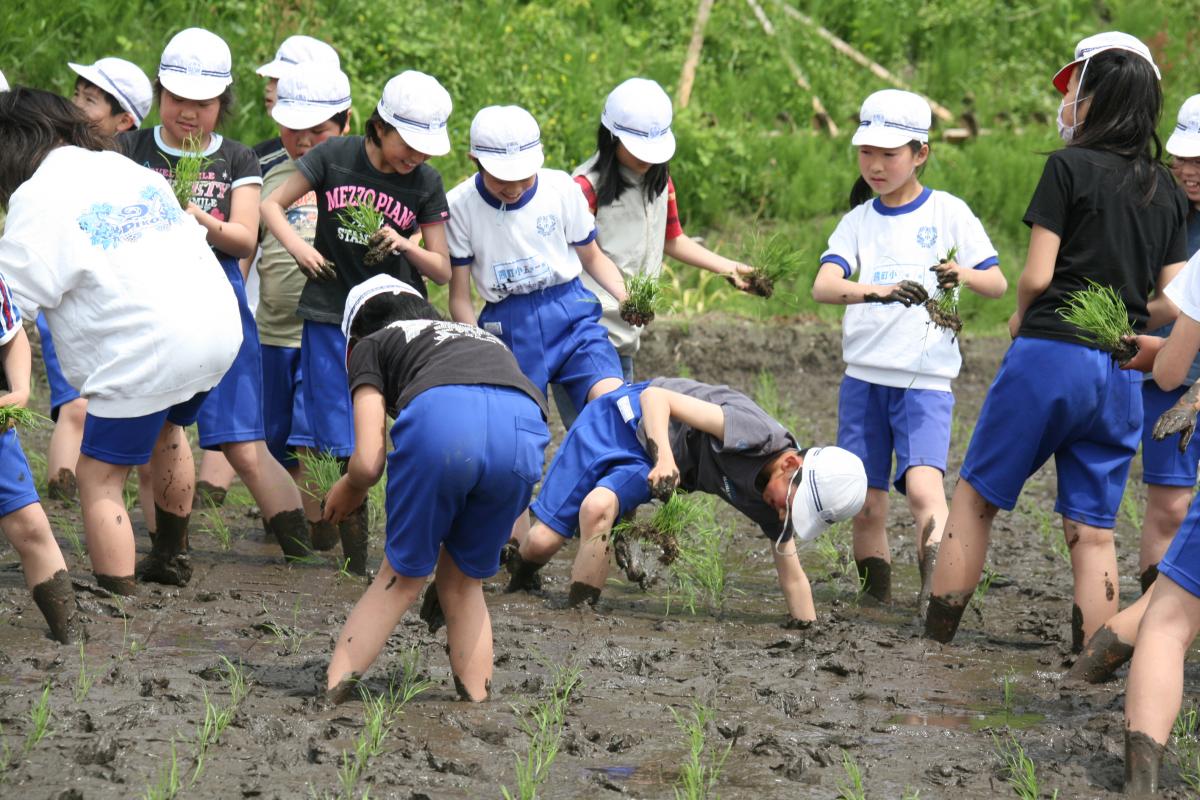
787,511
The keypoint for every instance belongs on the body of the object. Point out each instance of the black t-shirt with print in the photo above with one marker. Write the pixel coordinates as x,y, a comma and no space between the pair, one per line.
230,165
342,175
1109,234
409,357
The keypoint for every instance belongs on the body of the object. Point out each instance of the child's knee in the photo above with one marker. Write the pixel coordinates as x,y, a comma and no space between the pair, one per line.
73,414
597,513
541,544
27,528
1086,537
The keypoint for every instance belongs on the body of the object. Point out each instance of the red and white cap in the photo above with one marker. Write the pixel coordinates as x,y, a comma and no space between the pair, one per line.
507,142
309,94
1185,139
196,65
1098,43
638,112
833,487
417,106
123,80
300,49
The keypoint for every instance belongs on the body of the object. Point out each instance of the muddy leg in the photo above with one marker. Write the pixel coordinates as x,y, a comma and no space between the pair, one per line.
1112,646
123,585
927,501
354,533
1166,508
216,476
431,609
105,519
1143,758
290,529
539,547
168,562
322,534
597,514
270,484
56,600
63,452
1094,562
28,531
1147,578
145,479
468,630
959,561
875,578
63,486
172,475
872,554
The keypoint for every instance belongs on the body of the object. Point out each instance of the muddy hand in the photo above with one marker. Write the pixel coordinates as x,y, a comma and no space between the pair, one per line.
1177,419
663,484
738,278
947,274
907,293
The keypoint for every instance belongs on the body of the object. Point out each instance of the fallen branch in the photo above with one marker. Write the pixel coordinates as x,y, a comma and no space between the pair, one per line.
819,111
688,76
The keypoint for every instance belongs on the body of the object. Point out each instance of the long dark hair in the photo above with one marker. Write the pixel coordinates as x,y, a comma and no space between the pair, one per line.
1125,105
32,123
611,182
861,191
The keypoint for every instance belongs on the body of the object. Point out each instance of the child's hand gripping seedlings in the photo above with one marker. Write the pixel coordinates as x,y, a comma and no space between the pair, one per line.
1179,418
943,305
367,221
645,297
1100,314
774,260
187,171
20,417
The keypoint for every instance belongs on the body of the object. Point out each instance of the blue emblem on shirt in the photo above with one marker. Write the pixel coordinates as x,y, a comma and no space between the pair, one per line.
108,227
927,236
547,224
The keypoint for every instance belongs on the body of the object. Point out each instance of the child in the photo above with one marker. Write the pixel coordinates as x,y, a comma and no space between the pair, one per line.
294,51
1105,210
649,438
524,231
468,440
904,244
126,283
630,192
385,168
194,93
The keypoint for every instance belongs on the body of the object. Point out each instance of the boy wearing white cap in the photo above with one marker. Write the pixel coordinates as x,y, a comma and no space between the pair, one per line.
895,396
294,51
646,439
113,93
524,234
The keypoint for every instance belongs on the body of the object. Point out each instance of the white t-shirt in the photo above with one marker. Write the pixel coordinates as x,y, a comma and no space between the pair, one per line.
142,314
888,344
521,247
1184,288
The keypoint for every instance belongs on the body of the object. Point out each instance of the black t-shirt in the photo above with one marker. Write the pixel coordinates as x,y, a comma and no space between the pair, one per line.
730,466
1089,198
406,358
230,165
270,154
340,172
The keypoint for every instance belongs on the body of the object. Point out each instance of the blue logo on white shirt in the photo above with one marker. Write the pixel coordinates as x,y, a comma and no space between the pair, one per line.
107,226
927,236
547,224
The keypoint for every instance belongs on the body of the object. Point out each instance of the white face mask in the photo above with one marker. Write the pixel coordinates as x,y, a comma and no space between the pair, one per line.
1067,132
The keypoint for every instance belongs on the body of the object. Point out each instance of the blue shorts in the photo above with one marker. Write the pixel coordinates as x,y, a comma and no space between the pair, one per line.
233,410
465,461
127,441
61,392
16,479
1162,463
326,388
874,420
556,336
1065,400
284,418
566,410
1182,560
600,449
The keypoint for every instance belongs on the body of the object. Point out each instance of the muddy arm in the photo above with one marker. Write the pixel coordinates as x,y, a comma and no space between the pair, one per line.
794,583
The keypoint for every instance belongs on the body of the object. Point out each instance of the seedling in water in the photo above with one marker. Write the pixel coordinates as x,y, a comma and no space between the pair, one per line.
290,639
322,470
187,171
5,756
67,527
364,220
775,259
39,719
1020,771
698,775
406,683
645,297
83,681
981,589
1102,318
1185,738
542,723
169,783
852,789
216,526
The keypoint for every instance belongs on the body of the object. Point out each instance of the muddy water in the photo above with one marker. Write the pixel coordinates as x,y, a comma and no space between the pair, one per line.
913,714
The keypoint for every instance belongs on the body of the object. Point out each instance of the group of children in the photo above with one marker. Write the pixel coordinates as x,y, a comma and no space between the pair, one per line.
343,336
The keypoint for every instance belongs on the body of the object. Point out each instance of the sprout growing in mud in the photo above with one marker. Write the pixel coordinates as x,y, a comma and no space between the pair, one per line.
366,221
1020,771
323,470
775,259
1100,315
698,775
645,298
20,417
942,306
187,170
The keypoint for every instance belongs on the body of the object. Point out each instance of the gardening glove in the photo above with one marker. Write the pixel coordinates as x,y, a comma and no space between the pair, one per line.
907,293
947,275
1181,419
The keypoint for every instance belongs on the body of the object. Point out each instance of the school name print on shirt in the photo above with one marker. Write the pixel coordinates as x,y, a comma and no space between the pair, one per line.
521,276
403,217
108,226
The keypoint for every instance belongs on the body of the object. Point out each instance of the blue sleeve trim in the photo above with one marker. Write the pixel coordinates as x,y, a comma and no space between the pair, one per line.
830,258
988,263
461,262
590,237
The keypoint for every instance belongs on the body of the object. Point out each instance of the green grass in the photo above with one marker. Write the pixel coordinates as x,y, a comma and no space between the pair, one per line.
1100,315
187,170
216,526
322,470
699,773
1019,770
646,295
851,788
1185,741
39,719
83,680
22,418
542,723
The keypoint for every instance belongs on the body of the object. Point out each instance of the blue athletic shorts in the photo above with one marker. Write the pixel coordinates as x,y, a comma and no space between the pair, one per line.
284,417
566,410
556,335
1162,463
874,420
465,461
61,392
1182,560
16,479
130,440
233,410
326,388
1065,400
600,449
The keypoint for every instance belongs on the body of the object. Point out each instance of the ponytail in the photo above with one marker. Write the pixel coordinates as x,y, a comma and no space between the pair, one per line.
861,191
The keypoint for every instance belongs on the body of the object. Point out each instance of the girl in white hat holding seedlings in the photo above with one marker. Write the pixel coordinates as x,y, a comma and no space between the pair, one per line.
194,92
1105,211
906,243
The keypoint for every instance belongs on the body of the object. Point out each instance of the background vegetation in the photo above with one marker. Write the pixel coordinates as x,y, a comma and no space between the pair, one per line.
748,155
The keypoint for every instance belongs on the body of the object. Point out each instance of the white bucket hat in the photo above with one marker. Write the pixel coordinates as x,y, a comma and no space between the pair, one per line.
638,112
507,142
299,49
833,487
196,65
1185,140
123,80
1098,43
360,294
417,106
892,118
309,94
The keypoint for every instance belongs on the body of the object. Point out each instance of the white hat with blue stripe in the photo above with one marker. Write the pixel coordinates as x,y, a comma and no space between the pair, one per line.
1185,140
417,106
507,142
124,81
833,487
196,65
638,112
892,118
3,83
310,94
299,49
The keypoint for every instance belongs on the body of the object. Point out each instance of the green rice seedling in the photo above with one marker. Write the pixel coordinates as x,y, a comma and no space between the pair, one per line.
39,719
187,170
542,724
1019,770
1007,682
1185,740
646,296
235,681
70,530
208,732
981,589
363,221
169,782
1133,509
407,681
377,722
699,571
323,469
1051,536
1100,315
5,756
942,305
775,259
833,551
911,794
84,680
216,526
852,788
699,774
20,417
290,639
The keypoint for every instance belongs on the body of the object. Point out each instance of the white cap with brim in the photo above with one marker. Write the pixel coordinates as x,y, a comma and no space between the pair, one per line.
833,487
299,49
892,118
417,106
123,80
1184,142
1098,43
3,83
638,113
309,95
507,142
360,294
196,65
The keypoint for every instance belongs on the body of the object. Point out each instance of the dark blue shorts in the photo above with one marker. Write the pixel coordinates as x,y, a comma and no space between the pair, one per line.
16,479
1182,560
233,411
556,335
61,392
600,449
326,388
465,461
1065,400
284,417
1162,463
874,420
130,440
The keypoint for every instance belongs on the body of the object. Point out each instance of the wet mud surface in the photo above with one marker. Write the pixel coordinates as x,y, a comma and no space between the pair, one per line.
789,704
